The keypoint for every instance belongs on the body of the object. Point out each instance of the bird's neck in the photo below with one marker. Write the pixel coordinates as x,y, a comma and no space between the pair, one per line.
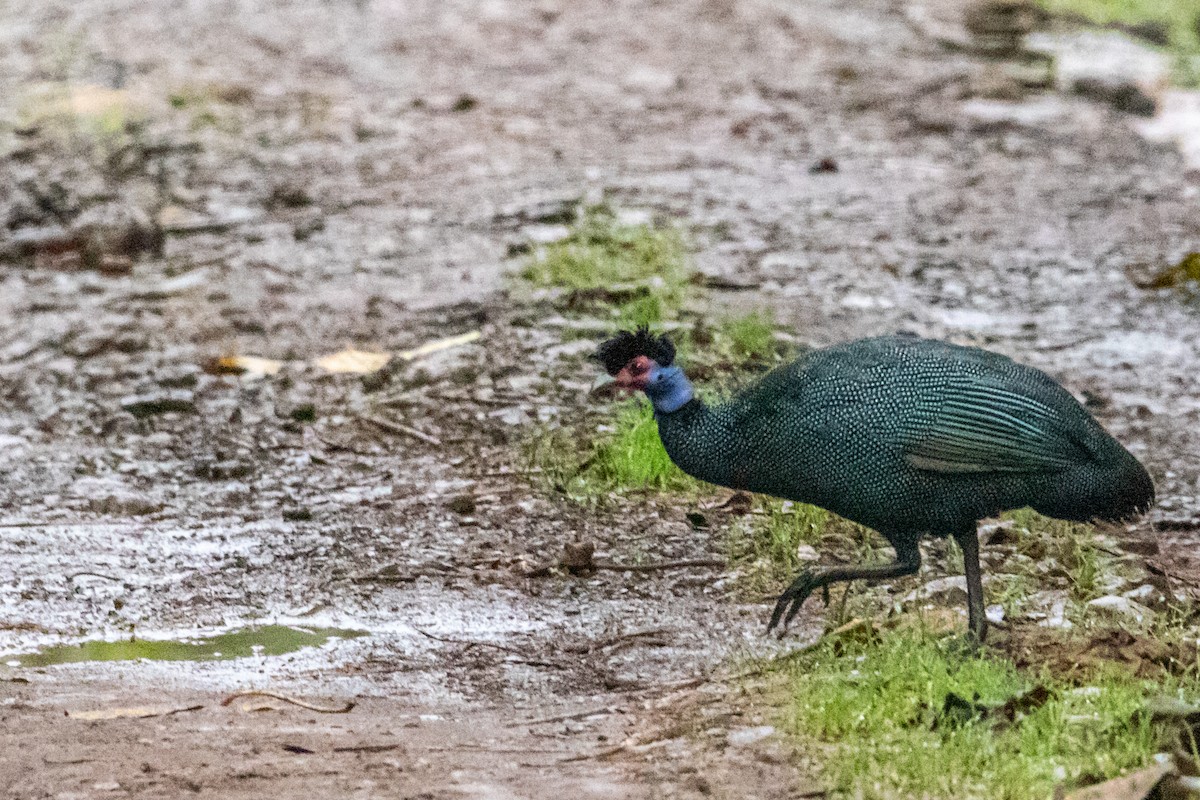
699,440
671,392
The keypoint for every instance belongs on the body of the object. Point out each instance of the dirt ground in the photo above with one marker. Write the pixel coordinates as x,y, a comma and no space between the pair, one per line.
359,173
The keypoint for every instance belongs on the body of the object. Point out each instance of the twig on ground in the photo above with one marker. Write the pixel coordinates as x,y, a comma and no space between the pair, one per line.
471,643
401,429
659,565
367,748
619,639
86,573
346,447
1047,348
284,698
577,558
592,712
500,402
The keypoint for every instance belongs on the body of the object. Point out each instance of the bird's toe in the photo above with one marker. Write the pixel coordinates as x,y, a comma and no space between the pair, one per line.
790,601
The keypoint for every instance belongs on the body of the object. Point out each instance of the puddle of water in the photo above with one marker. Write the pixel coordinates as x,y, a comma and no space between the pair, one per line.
269,640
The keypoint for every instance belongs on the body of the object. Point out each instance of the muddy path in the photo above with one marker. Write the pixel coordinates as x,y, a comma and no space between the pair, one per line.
357,174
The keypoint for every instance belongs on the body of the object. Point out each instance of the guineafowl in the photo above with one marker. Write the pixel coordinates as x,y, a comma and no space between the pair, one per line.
905,435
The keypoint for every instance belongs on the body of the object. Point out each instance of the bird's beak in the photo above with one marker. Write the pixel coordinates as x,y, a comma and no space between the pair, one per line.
624,380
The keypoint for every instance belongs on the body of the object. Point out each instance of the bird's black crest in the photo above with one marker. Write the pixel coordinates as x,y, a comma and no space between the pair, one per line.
628,345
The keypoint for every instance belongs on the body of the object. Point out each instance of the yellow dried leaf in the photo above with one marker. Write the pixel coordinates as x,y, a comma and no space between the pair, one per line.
440,344
133,712
250,367
358,361
89,100
1186,271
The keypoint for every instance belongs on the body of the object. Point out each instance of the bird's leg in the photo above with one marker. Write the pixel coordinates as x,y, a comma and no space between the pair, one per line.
976,618
908,561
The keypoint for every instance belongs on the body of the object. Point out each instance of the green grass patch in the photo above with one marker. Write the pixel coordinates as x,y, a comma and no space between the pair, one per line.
633,457
766,542
1179,18
750,336
638,273
878,711
735,343
623,455
1072,545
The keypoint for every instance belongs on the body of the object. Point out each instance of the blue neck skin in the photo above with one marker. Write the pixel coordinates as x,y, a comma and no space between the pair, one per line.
668,389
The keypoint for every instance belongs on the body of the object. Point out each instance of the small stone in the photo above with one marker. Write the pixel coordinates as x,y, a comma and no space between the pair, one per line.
578,557
806,552
383,247
1122,608
146,405
1148,595
305,412
462,504
824,166
1056,616
112,232
742,737
998,532
288,195
994,614
951,590
546,234
1123,95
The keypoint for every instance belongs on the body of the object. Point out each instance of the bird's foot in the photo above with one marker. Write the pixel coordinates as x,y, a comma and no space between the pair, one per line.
790,601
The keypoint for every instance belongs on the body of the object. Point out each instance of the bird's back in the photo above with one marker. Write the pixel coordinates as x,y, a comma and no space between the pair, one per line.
910,435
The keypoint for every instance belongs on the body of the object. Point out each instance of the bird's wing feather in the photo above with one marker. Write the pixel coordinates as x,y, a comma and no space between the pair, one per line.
982,428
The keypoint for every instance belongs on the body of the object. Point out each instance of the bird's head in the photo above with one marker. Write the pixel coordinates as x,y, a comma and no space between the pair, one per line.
639,360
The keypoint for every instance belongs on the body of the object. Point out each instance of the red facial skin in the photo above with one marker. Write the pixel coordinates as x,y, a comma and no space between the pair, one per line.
634,375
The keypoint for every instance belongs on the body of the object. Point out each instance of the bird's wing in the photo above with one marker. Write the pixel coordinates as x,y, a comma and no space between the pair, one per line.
980,428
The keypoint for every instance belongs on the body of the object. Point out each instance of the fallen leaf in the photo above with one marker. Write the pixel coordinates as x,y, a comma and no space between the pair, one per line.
89,100
1186,271
131,712
440,344
357,361
249,367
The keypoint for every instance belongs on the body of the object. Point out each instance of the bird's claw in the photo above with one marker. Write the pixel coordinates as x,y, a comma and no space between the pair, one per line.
790,601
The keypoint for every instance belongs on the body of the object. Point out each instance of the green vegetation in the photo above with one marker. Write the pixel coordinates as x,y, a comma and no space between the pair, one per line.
638,272
767,541
743,342
1072,545
907,715
1179,19
633,457
626,455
